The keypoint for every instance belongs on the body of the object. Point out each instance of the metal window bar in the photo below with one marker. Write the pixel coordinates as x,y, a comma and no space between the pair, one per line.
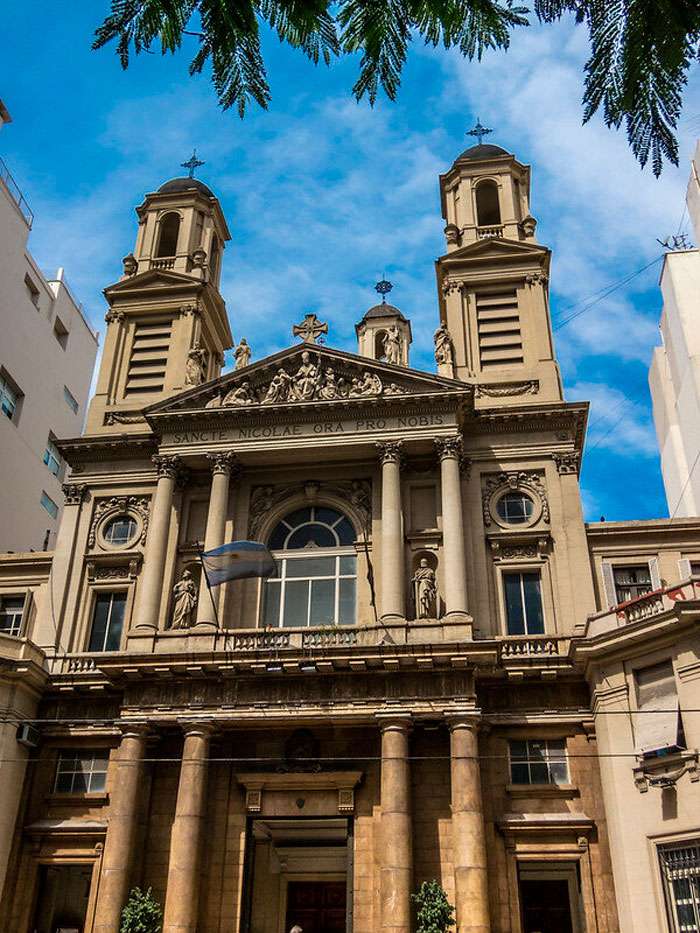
680,868
16,194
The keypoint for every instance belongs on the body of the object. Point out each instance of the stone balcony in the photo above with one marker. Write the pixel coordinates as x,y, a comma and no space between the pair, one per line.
656,605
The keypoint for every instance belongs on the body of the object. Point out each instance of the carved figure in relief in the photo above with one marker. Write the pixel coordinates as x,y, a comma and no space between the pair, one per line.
241,395
214,402
196,366
329,388
370,384
425,591
392,345
242,354
392,389
305,379
185,593
443,346
278,390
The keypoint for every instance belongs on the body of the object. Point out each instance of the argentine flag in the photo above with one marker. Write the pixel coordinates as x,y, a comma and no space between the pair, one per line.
237,560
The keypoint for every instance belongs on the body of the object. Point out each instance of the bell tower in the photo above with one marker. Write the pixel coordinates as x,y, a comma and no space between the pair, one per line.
494,280
167,326
384,333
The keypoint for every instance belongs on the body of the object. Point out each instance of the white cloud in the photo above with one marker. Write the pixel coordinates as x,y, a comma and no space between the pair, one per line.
617,422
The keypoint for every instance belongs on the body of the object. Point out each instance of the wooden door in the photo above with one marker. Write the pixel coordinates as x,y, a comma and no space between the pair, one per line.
316,906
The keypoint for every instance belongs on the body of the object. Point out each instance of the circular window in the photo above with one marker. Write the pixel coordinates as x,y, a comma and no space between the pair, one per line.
120,531
515,508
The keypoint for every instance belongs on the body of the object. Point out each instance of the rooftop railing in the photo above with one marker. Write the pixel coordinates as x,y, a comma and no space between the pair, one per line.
15,193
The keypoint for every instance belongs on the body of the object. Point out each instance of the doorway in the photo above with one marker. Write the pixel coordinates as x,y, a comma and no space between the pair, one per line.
62,898
549,898
316,906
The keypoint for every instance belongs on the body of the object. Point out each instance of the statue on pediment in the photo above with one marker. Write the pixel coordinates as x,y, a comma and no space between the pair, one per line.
392,345
240,395
196,366
185,593
242,354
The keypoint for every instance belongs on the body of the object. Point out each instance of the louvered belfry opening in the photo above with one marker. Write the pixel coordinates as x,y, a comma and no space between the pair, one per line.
498,324
149,356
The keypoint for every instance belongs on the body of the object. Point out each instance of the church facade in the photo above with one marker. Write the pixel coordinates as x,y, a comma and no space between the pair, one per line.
450,675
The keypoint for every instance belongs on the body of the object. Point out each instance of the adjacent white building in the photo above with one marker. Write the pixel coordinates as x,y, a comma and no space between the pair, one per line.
47,356
674,376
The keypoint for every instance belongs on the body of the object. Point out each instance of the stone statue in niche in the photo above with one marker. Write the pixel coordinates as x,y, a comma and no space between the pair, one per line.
425,590
241,395
185,593
392,345
242,354
196,366
443,346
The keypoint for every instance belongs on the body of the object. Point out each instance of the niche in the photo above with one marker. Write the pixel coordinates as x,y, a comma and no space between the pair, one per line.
424,591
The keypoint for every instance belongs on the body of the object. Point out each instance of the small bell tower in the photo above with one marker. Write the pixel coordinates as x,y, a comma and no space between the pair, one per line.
167,326
384,333
494,280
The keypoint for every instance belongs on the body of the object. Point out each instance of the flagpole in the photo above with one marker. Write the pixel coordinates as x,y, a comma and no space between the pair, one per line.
200,554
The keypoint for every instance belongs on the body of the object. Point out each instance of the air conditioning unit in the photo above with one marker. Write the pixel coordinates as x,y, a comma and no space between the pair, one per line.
28,735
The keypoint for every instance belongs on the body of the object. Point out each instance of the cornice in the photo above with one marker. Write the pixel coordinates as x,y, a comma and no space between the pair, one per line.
79,450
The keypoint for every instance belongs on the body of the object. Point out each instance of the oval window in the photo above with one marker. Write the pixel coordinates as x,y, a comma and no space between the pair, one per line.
120,530
515,508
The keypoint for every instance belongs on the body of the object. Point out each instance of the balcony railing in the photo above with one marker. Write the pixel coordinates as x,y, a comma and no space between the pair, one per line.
533,646
485,233
644,607
16,195
168,262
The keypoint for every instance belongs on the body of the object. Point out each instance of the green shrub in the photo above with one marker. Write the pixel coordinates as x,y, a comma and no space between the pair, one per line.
141,914
434,913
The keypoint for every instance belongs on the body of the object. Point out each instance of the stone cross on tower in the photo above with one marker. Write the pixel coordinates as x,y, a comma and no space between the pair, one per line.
479,131
310,329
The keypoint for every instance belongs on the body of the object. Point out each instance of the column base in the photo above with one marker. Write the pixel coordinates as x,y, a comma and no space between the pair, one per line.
203,628
462,619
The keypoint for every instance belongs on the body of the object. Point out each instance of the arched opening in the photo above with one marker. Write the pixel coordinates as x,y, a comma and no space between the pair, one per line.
215,255
488,211
379,337
168,234
315,582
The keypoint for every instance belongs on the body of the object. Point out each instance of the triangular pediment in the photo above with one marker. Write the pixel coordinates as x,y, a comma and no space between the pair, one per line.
152,280
308,374
495,248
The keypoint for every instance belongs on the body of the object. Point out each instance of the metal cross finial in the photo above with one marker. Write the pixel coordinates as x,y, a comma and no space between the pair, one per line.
383,287
479,131
192,163
310,329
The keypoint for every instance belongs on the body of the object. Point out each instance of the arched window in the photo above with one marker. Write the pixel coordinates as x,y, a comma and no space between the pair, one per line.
215,255
488,211
168,234
316,570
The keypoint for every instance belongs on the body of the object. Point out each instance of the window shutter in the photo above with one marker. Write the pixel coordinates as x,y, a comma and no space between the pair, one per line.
28,601
654,573
609,585
684,570
657,717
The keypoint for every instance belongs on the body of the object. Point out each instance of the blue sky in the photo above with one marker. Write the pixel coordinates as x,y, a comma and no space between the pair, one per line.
322,195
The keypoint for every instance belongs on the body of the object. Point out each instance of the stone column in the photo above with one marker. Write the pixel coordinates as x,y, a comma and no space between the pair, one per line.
223,465
126,786
182,896
468,836
150,589
454,561
393,595
396,853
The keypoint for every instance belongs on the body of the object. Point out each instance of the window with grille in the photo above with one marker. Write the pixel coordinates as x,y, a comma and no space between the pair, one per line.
107,622
11,611
314,550
523,599
538,761
81,771
631,582
498,326
149,356
680,871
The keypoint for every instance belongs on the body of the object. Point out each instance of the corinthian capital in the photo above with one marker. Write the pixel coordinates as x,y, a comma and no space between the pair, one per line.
74,493
391,452
166,465
224,462
449,447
